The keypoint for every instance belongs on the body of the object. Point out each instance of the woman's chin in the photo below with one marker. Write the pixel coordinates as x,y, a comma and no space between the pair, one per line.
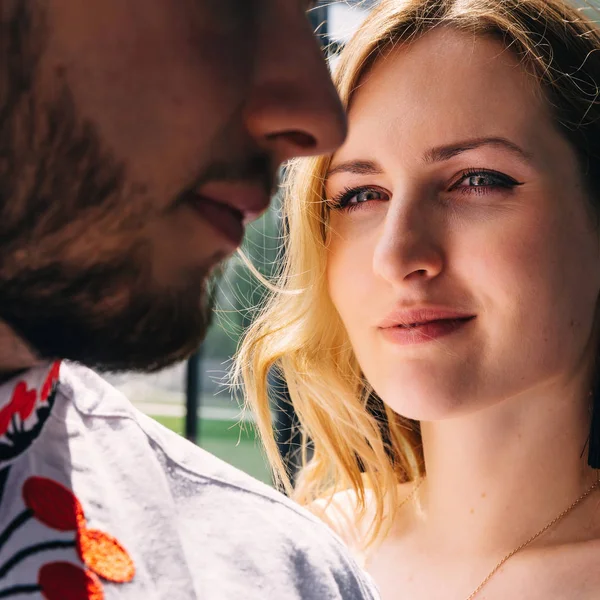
428,402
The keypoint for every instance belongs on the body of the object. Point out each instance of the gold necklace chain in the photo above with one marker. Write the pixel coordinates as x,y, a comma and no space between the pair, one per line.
412,494
534,537
554,521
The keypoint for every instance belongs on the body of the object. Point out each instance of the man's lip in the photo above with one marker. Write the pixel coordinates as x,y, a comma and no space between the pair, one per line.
226,220
420,316
248,198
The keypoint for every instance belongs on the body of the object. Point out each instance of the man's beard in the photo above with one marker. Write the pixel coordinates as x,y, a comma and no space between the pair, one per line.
76,277
67,315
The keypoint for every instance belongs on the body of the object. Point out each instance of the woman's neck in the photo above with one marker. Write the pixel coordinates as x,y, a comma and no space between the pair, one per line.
500,474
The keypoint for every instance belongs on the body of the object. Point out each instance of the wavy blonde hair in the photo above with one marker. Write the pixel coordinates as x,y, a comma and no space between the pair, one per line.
357,441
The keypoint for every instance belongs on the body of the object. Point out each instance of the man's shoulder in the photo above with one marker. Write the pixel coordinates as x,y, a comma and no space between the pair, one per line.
213,498
93,396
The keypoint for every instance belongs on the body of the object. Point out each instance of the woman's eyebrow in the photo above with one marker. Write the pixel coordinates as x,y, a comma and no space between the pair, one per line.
433,155
356,167
446,152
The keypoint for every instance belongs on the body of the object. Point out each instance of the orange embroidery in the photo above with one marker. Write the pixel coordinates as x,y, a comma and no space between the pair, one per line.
105,555
64,581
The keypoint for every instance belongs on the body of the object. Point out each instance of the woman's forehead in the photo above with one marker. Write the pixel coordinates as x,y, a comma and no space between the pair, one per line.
446,87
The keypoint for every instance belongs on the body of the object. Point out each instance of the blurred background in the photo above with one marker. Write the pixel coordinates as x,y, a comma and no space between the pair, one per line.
192,398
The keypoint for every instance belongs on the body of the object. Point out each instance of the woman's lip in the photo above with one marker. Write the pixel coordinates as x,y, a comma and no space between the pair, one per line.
427,331
421,316
228,221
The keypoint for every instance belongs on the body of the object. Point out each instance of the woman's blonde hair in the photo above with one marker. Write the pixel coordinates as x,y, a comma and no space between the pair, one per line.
357,441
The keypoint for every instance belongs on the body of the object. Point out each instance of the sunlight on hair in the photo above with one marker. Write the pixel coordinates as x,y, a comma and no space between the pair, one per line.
262,279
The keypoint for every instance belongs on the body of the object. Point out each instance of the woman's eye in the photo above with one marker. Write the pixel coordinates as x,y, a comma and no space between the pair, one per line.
353,198
482,181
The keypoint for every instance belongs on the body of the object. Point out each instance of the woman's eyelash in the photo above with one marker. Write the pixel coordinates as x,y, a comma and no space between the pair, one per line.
499,180
342,200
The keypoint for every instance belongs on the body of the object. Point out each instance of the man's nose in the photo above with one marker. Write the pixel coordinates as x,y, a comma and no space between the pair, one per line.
293,108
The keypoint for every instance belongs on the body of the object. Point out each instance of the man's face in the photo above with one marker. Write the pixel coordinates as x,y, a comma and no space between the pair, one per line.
136,137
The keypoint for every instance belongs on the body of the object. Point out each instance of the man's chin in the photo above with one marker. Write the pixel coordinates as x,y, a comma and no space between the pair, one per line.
145,347
144,355
110,318
148,335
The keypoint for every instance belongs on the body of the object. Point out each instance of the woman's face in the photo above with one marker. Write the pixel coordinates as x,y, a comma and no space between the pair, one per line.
464,261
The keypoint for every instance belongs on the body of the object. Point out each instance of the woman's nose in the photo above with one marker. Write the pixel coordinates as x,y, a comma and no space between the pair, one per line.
408,248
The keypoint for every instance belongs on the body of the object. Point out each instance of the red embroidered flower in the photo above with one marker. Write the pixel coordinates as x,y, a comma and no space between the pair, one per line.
64,581
51,379
58,508
5,417
53,504
22,419
23,400
22,403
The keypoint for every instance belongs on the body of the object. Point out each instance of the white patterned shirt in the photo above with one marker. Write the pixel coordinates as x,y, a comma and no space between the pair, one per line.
99,501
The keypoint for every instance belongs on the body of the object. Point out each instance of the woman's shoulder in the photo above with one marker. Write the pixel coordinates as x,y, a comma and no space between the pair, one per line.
350,519
342,513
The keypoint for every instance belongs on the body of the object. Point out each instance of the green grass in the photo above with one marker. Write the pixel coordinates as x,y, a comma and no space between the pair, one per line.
230,442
